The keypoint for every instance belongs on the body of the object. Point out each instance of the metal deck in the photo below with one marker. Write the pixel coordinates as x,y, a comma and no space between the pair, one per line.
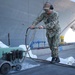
48,69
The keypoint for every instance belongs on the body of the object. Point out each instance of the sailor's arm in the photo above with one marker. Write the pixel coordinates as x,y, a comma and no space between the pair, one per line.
38,20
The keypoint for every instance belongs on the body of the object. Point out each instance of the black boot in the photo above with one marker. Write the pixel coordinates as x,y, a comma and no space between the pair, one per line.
55,60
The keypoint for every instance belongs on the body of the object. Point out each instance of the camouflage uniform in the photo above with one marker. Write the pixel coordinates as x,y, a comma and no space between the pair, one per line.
52,30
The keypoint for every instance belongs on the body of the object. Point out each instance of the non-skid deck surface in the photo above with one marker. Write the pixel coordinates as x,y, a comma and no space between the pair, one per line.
47,69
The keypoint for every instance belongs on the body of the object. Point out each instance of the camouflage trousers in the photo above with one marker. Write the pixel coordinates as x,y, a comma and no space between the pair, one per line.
53,44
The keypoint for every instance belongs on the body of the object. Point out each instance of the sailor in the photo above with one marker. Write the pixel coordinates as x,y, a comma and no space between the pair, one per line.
51,21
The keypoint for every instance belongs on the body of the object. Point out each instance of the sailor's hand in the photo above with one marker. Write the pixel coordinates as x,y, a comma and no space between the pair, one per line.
32,27
40,27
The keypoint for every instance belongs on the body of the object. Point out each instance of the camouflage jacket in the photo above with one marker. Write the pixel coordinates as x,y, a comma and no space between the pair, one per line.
51,22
